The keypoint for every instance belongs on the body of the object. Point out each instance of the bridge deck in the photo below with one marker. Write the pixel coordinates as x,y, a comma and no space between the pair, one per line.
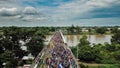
55,55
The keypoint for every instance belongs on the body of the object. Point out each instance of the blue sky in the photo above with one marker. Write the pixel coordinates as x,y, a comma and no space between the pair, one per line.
59,12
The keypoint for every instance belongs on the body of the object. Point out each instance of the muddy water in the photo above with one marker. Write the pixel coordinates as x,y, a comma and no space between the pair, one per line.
73,40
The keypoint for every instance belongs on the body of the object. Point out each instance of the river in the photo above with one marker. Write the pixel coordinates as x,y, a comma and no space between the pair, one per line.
73,40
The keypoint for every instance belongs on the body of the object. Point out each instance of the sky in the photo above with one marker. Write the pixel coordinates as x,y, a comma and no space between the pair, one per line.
31,13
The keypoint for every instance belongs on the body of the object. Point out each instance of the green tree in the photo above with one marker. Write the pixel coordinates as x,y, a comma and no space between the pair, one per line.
83,66
79,30
83,41
114,29
101,30
36,44
10,46
74,50
11,39
116,37
72,29
117,55
110,47
8,58
85,53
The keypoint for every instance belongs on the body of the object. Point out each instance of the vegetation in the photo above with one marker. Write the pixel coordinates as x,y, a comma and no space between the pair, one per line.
101,30
99,53
11,53
10,47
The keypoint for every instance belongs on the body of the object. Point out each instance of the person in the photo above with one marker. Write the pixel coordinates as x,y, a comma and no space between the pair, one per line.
60,66
47,62
66,64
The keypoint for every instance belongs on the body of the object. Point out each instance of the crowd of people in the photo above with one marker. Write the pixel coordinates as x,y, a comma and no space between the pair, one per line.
60,58
58,55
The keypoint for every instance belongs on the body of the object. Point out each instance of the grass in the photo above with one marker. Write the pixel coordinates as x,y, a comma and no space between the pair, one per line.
95,65
105,66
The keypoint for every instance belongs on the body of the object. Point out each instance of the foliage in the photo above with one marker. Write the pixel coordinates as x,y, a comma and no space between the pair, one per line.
114,29
116,37
117,55
74,30
35,45
85,52
83,41
10,46
83,66
11,52
99,53
101,30
8,58
74,50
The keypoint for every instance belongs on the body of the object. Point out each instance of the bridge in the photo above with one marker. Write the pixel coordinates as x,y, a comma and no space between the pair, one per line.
56,54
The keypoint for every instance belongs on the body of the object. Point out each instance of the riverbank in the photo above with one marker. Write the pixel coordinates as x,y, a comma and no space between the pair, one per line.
96,65
84,34
73,40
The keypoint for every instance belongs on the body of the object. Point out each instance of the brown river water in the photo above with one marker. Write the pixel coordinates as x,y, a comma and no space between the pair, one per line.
73,40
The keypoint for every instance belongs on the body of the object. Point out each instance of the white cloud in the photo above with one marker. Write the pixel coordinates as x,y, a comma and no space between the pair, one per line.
80,8
88,22
33,18
30,10
9,11
9,3
64,13
32,14
29,14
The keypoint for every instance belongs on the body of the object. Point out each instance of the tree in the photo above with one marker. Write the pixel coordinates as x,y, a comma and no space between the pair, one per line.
110,47
8,58
11,39
10,46
36,44
101,30
117,55
84,41
79,30
114,29
85,53
116,37
72,29
74,50
83,66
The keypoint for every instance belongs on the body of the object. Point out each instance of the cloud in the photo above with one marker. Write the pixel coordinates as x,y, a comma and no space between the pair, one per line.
32,14
9,3
29,14
7,0
9,11
80,8
59,11
88,22
30,11
32,18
